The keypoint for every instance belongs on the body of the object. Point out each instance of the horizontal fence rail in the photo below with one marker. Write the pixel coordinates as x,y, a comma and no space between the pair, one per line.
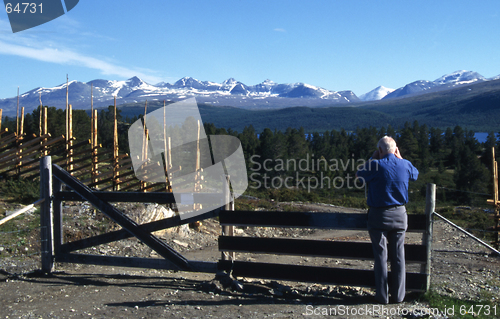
312,248
354,221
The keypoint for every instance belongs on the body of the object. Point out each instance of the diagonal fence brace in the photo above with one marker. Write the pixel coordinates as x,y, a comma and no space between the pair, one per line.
128,224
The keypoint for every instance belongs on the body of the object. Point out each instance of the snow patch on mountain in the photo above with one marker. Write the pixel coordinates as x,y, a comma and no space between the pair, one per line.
445,82
376,94
230,92
460,77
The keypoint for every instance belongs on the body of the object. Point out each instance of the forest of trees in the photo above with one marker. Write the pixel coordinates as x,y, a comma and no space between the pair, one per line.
452,158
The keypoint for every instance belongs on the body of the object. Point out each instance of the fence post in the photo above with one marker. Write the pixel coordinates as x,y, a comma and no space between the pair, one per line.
228,230
57,217
430,206
46,213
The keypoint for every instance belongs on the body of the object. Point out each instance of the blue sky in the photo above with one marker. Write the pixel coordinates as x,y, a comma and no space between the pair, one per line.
337,45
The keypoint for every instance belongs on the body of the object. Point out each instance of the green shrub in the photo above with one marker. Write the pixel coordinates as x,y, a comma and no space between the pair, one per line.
23,191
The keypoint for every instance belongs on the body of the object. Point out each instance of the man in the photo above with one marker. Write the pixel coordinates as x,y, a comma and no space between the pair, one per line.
387,175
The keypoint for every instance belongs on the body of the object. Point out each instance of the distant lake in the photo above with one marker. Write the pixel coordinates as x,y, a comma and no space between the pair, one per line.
482,136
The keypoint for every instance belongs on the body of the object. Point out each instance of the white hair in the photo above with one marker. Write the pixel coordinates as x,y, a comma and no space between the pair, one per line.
387,144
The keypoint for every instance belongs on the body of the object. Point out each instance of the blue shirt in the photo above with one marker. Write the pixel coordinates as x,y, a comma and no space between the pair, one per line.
387,180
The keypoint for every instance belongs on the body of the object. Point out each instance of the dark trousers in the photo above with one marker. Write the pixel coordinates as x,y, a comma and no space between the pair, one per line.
387,228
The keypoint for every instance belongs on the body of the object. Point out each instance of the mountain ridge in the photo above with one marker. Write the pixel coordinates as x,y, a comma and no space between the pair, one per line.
265,95
230,92
475,107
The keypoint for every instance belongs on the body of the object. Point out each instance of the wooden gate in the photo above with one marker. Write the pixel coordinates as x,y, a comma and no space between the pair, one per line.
52,177
415,253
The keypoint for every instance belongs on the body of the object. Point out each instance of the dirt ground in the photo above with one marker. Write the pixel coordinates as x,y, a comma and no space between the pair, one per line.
461,268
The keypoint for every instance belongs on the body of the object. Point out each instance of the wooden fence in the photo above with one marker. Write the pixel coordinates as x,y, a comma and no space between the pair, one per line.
54,249
51,215
96,167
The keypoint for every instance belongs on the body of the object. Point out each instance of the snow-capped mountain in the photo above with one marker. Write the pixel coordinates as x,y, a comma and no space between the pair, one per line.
231,92
459,78
376,94
447,81
412,88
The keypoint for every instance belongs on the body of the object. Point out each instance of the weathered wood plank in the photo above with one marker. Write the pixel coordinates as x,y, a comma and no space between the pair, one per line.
46,218
77,145
316,248
150,263
416,223
126,197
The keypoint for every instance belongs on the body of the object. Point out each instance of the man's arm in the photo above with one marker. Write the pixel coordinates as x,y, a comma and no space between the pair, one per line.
413,173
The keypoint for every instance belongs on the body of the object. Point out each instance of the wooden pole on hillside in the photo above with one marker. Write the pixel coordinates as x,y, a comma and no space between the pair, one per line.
21,128
169,163
169,152
165,142
40,115
116,180
92,116
228,230
67,112
495,197
197,184
93,137
19,144
70,139
45,130
144,146
198,155
145,138
40,112
145,157
17,113
95,160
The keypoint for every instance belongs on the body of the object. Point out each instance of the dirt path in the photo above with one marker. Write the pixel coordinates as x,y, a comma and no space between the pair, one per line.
461,268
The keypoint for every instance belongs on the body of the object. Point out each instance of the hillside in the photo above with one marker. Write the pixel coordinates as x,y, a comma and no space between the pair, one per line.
475,106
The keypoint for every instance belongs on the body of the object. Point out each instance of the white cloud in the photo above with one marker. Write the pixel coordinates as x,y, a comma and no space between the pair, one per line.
280,30
69,57
30,45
